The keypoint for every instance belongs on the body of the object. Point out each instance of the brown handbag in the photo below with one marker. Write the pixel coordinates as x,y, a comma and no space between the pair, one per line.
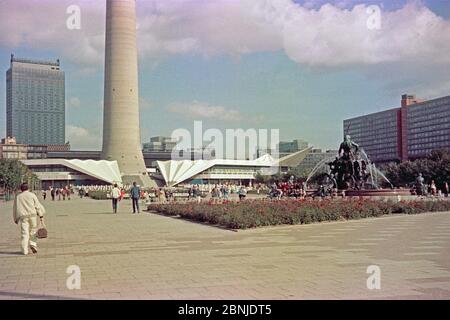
42,231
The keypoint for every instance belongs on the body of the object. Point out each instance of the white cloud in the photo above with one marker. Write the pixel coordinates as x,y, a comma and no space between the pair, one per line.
200,110
74,102
332,36
83,139
328,36
42,25
77,132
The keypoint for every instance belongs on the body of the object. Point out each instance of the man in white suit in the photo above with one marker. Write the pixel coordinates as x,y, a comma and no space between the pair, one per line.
26,210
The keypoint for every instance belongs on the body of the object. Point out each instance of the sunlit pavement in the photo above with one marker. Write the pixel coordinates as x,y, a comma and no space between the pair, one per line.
149,256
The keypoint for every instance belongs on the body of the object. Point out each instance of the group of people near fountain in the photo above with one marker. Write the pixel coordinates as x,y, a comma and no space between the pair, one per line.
291,189
420,188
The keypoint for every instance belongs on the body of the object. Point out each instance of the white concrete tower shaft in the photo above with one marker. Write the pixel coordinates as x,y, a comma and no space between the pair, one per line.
121,132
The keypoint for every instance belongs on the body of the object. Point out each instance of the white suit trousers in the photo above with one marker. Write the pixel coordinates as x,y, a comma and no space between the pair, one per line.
28,228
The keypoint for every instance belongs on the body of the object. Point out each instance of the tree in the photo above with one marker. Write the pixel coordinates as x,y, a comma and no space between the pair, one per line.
13,173
259,178
435,166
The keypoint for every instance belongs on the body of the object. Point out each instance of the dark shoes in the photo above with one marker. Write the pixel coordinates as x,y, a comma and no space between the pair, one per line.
33,249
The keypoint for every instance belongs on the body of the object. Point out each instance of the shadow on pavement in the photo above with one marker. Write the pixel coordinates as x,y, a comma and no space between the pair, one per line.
12,253
98,213
24,295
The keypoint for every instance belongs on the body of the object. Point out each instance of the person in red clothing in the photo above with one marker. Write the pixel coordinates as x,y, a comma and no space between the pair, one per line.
433,188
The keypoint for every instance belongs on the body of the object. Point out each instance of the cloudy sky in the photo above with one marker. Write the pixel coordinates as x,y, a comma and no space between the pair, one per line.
298,66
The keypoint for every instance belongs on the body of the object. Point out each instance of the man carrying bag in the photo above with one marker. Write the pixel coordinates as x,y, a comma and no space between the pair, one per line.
26,211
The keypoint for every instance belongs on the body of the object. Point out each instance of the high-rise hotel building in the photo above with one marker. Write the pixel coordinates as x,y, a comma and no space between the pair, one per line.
35,102
410,131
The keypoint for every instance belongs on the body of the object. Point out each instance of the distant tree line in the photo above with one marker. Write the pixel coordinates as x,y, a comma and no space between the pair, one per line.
436,166
12,174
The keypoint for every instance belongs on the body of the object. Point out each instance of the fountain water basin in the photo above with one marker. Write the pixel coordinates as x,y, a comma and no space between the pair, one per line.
353,174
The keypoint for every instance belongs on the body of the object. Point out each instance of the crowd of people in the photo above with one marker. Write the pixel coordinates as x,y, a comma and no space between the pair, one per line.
65,192
421,188
186,192
279,190
223,192
196,192
59,194
218,192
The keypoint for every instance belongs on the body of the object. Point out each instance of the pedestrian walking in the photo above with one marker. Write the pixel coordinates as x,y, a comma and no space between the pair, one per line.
190,193
215,194
242,193
135,193
44,194
26,210
52,193
226,192
115,195
146,197
197,194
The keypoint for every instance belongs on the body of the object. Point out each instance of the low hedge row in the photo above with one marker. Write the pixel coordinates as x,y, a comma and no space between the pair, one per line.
257,213
98,195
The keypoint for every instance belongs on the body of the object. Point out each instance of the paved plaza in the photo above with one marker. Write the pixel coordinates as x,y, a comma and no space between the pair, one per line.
149,256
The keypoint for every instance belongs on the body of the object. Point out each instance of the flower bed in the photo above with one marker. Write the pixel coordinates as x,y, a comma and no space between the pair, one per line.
257,213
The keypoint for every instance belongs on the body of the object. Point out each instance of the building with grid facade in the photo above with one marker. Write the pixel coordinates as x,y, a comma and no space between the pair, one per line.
428,127
35,102
410,131
377,134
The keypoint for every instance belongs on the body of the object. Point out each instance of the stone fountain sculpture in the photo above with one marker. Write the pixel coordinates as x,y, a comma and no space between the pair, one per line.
352,169
353,173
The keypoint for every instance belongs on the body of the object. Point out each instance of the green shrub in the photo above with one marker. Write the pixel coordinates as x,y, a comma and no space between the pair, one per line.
257,213
98,195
